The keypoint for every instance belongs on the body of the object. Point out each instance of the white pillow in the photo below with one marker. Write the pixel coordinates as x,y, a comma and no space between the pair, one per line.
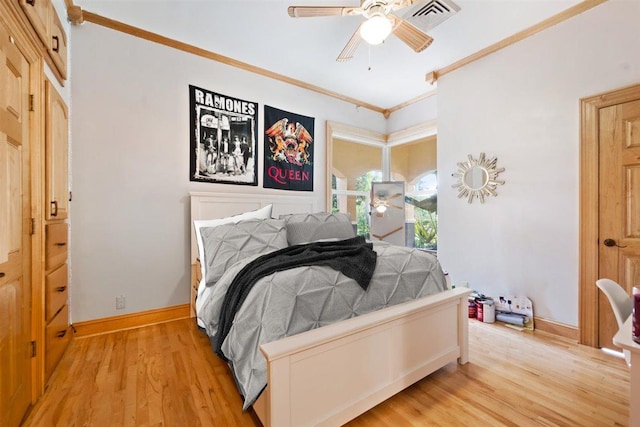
262,213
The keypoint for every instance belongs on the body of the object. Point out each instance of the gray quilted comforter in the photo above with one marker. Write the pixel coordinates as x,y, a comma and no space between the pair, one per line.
300,299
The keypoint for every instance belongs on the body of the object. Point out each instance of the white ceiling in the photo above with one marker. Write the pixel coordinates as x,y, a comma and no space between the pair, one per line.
261,33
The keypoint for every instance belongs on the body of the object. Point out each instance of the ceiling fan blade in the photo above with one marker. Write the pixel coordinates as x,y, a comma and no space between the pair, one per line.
401,4
413,37
350,47
315,11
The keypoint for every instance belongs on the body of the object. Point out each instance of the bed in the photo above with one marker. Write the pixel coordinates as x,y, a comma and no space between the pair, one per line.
331,374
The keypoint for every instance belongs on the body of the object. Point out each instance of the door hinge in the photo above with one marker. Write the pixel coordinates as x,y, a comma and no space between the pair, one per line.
70,195
33,349
33,227
30,102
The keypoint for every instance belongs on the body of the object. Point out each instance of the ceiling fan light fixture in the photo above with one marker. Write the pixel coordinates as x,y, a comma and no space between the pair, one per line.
376,29
381,209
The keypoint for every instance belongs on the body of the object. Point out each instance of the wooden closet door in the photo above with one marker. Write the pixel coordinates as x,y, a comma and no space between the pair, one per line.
15,246
37,12
57,153
619,218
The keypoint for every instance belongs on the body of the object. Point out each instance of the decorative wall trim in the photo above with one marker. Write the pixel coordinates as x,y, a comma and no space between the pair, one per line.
419,131
577,9
556,328
77,16
130,321
400,106
356,134
185,47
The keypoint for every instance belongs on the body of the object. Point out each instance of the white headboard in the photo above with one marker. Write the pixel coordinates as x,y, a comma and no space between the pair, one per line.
221,205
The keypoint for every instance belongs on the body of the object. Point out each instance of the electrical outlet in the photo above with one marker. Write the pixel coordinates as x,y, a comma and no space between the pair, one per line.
121,302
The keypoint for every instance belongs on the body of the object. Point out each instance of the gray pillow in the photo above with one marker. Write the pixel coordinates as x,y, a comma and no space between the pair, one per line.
304,228
225,244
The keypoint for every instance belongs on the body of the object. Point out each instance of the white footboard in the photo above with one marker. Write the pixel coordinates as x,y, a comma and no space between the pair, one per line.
332,374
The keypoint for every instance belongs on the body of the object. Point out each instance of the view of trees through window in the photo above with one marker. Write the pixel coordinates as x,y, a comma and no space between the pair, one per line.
426,212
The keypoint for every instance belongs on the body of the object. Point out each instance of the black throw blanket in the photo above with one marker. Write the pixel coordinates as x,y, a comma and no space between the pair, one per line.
352,257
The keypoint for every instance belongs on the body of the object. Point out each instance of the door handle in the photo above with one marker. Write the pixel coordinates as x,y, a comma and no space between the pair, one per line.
2,274
610,243
54,208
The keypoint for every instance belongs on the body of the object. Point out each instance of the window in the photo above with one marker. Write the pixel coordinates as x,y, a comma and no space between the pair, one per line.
423,211
355,166
358,199
358,157
415,164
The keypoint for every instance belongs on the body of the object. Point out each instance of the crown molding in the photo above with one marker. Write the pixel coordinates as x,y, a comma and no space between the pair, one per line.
575,10
402,105
185,47
77,16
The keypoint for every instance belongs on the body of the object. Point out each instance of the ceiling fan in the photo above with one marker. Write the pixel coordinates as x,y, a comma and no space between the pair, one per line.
381,203
382,19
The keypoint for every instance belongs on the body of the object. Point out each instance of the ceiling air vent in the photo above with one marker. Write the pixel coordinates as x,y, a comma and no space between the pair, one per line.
425,15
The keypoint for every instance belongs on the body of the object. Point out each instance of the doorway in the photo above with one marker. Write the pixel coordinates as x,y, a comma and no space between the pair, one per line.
609,206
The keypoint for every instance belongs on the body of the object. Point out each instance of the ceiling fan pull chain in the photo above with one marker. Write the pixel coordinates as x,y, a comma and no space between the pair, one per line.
369,52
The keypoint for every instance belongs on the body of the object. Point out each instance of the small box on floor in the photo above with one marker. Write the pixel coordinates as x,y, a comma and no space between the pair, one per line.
515,310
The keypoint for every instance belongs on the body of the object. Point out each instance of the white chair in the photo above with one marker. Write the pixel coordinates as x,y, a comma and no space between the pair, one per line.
621,303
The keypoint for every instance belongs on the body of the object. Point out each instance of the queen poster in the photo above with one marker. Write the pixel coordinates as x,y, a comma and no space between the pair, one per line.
288,150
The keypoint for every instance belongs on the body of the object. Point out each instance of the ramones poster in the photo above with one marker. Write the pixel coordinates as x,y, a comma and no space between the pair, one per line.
223,138
288,148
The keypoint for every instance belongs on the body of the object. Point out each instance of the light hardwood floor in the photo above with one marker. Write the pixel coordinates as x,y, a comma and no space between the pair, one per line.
167,375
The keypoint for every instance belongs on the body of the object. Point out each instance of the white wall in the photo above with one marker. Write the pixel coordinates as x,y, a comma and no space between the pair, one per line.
521,104
130,168
130,144
414,114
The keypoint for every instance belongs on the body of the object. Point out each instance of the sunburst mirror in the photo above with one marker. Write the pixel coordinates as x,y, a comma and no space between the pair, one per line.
478,178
